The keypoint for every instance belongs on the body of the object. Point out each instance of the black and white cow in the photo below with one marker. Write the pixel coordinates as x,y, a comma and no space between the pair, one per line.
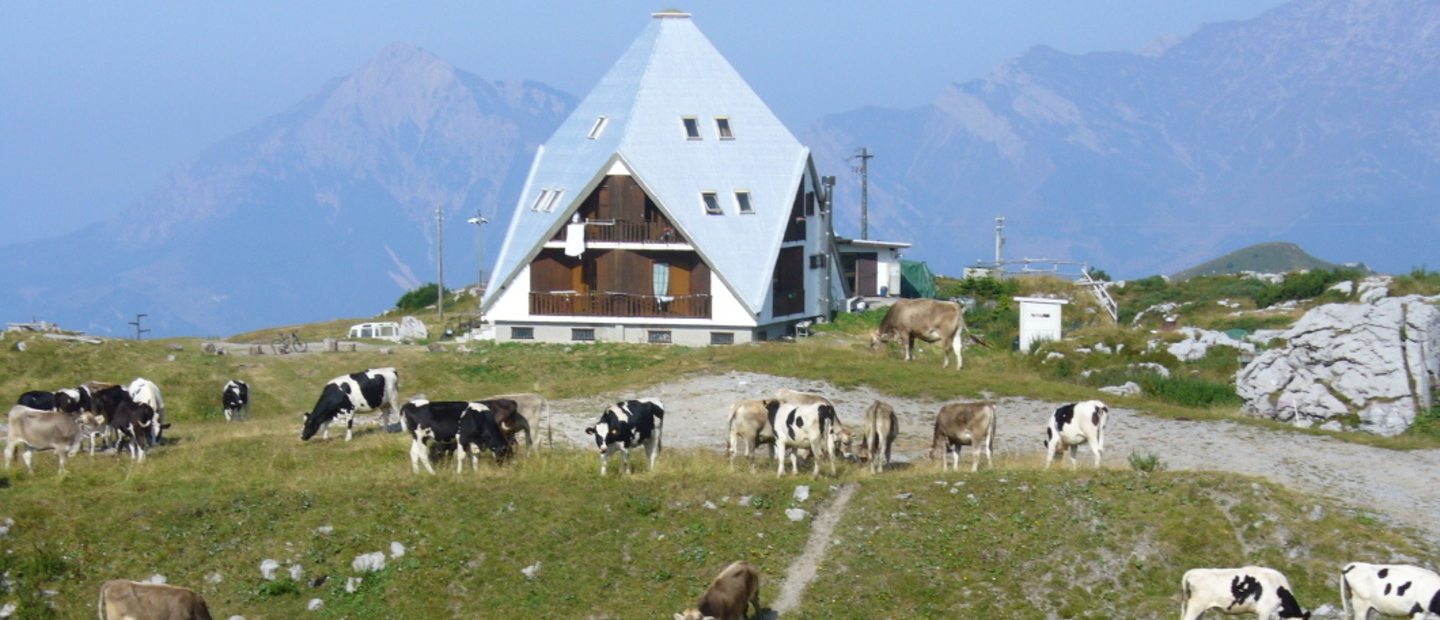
347,395
469,427
1395,590
1264,592
236,399
134,422
38,400
1075,424
145,392
813,427
627,424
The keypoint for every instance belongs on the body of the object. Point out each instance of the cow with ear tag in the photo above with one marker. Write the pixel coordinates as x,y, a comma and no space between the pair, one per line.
625,425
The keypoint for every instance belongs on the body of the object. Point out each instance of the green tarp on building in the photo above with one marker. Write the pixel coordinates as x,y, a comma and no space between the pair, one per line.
916,280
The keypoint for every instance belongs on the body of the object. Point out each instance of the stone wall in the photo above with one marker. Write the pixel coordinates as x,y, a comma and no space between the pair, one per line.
1378,361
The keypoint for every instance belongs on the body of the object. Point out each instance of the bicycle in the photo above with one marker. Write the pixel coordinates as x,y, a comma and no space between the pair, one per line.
287,343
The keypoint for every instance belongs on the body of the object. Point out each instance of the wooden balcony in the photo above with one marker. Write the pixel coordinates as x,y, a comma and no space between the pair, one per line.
626,231
619,305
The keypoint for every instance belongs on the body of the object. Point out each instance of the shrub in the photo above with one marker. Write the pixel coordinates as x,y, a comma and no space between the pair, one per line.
1188,391
419,298
1149,462
1303,286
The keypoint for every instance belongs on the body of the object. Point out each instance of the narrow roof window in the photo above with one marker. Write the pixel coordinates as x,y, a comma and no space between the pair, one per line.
554,199
742,202
692,127
541,200
722,128
712,203
599,126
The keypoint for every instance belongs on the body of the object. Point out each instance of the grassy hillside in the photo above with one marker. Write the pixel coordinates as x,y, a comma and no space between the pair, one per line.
224,497
1271,257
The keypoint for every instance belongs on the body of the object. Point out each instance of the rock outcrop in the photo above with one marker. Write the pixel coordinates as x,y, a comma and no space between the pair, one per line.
1378,362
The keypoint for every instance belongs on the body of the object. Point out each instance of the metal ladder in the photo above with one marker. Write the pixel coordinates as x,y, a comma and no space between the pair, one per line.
1100,290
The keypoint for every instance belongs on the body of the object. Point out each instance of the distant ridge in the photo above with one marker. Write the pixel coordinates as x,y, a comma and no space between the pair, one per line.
1271,257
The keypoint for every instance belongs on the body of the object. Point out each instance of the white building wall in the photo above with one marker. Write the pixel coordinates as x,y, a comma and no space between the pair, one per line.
1040,319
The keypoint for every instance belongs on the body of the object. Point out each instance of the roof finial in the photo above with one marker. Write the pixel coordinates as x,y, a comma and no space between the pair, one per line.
671,13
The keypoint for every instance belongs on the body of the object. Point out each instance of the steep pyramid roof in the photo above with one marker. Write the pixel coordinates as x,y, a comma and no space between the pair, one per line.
672,72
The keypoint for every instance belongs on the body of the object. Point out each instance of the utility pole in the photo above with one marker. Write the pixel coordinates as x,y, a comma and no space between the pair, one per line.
999,239
864,157
479,221
827,203
440,263
136,323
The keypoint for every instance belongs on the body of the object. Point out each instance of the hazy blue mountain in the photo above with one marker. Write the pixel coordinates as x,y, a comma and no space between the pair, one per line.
323,211
1318,112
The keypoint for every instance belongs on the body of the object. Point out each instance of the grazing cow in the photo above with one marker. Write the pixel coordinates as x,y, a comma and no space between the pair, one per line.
466,426
236,399
134,422
734,591
930,320
1254,590
1074,424
627,424
750,427
531,411
965,424
1395,590
38,400
145,392
881,427
130,600
813,427
347,395
842,438
42,430
68,400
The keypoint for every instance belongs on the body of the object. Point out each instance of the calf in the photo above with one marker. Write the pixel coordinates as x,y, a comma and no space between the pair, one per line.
750,427
346,395
1075,424
962,424
734,591
881,428
530,411
42,430
930,320
1391,589
129,600
235,398
627,424
133,422
1255,590
813,427
467,426
145,392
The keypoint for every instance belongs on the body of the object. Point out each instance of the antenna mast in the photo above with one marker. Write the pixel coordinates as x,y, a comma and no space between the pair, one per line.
864,157
440,262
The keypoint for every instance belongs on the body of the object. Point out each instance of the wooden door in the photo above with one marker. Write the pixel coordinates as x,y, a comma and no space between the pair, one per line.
866,264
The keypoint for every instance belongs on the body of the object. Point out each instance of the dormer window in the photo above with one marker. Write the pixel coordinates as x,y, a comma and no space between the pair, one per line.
692,127
742,202
599,127
712,203
547,200
722,128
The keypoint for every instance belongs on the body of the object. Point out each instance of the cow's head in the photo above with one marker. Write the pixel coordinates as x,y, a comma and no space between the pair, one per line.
844,442
878,338
693,614
604,434
312,425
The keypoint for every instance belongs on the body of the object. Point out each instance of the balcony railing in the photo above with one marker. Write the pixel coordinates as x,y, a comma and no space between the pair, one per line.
620,305
626,231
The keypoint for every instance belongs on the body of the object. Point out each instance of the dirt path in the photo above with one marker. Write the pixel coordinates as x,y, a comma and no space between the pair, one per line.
804,569
1397,487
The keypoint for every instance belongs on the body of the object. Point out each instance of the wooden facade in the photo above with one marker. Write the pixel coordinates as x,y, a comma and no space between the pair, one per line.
788,290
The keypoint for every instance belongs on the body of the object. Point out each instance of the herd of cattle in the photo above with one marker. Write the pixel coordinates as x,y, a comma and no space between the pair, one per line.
796,425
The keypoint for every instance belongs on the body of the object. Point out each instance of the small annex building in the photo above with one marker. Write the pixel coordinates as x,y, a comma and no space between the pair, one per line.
871,268
672,206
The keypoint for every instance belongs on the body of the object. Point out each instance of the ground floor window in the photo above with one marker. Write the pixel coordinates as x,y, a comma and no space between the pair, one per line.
582,334
522,333
659,337
719,338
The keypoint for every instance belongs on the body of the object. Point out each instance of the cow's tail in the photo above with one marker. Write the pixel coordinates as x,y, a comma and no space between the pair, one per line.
1184,594
549,432
730,430
101,605
1345,592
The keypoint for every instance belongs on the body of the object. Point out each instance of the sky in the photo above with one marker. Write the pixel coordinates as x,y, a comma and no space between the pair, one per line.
100,99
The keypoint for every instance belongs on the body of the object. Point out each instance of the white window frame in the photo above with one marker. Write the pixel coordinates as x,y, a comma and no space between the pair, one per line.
599,126
709,199
539,205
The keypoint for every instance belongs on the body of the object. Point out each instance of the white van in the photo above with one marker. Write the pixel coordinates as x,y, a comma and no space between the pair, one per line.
384,330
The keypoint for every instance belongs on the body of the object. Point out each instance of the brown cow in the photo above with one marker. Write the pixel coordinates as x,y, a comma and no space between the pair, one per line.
129,600
750,427
930,320
960,424
532,409
881,427
44,430
730,596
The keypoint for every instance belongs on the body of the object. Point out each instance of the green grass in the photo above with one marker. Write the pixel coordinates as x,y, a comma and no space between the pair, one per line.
223,497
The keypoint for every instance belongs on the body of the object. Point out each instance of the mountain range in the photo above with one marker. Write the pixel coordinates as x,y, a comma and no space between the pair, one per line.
1315,123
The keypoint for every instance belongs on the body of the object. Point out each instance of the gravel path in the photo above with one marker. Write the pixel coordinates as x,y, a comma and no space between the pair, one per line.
1398,487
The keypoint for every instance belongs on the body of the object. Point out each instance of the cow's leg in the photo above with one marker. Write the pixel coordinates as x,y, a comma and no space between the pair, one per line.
604,461
781,471
10,444
625,455
229,417
1074,450
909,347
957,344
1095,448
27,456
420,453
1049,453
60,455
652,450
